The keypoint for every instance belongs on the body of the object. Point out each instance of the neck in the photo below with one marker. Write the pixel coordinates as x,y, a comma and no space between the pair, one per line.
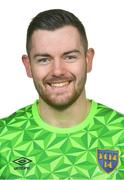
68,117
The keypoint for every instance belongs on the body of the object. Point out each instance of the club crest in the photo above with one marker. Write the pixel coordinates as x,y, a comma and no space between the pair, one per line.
108,159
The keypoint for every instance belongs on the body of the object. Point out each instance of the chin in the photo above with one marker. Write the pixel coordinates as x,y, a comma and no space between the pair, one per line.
61,104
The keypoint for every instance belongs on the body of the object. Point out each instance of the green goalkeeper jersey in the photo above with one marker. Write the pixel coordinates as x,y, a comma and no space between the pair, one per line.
32,149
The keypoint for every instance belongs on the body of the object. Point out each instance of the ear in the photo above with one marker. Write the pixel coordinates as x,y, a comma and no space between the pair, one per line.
27,64
89,59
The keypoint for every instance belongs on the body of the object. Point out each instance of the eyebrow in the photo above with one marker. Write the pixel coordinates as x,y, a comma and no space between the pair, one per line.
72,51
41,54
48,55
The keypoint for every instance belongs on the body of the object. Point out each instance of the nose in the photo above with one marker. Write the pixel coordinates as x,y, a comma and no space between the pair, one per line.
58,68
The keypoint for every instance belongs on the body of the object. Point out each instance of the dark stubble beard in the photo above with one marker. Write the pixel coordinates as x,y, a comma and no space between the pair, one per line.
61,106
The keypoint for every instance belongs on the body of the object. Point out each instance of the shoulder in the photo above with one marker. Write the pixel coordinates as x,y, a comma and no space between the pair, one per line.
21,114
108,114
105,109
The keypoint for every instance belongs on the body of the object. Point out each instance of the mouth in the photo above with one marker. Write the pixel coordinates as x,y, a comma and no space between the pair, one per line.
58,87
59,84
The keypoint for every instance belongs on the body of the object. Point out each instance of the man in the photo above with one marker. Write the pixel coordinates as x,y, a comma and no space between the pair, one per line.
63,135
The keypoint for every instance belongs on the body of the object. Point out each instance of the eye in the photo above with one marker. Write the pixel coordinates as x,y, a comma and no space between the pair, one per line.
70,58
43,61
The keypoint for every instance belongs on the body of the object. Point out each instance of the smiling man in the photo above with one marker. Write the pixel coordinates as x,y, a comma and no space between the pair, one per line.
63,134
58,64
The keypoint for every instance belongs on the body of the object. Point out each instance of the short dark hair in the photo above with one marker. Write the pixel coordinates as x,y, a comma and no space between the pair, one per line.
52,20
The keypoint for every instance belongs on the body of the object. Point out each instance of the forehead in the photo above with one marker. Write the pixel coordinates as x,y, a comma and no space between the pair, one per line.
64,38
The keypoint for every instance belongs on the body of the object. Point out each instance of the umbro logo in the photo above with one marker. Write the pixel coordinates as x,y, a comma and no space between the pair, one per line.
23,163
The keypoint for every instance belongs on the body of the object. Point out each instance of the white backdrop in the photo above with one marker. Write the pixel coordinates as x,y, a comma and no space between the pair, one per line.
104,23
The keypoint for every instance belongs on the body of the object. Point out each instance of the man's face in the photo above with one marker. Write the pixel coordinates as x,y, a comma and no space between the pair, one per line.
58,65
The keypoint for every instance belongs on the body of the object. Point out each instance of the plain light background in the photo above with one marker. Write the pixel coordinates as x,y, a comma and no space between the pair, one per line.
104,23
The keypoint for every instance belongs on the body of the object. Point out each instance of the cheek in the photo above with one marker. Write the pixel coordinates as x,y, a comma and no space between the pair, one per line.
38,73
79,69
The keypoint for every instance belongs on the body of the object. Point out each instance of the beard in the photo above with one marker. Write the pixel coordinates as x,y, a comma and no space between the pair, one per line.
61,101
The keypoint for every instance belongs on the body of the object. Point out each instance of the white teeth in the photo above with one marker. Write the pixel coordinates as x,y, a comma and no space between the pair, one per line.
60,84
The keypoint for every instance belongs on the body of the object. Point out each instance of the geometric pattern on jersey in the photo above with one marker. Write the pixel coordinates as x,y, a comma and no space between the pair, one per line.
32,149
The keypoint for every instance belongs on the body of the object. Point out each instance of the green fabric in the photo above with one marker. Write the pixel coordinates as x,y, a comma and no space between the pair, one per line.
32,149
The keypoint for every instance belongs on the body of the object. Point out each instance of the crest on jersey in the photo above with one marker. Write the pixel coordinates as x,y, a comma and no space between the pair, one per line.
107,159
